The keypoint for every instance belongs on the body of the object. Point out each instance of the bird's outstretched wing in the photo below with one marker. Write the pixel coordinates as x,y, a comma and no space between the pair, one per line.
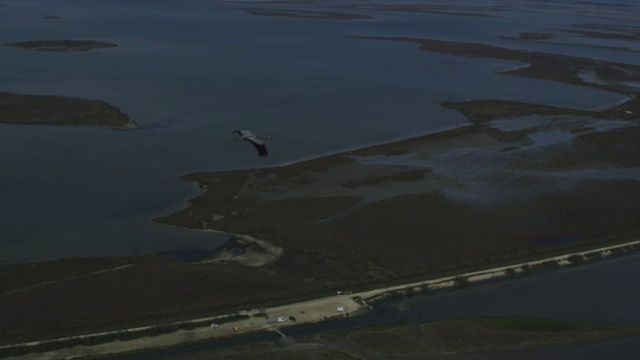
260,146
247,135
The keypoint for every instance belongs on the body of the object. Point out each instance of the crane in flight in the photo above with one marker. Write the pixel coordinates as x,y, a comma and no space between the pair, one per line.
247,135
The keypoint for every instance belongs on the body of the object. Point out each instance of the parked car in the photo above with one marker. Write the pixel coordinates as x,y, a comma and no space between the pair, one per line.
237,328
341,309
281,319
214,325
292,318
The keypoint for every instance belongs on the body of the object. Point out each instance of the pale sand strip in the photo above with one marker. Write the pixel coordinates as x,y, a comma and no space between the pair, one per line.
304,312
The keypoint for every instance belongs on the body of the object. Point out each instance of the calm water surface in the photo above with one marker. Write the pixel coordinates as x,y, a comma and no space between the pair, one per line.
190,72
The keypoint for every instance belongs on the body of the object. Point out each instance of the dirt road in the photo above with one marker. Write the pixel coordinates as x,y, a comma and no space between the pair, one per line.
304,312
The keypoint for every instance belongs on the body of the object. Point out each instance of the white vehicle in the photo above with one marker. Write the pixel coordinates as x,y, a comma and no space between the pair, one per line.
341,309
214,325
281,319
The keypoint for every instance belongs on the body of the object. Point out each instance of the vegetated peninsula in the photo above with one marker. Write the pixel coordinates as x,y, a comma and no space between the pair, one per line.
61,110
62,45
463,197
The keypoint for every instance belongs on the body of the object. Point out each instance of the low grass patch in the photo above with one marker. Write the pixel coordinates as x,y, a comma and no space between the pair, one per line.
537,324
373,328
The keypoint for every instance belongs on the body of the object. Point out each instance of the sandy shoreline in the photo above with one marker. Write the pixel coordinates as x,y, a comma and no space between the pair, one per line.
244,250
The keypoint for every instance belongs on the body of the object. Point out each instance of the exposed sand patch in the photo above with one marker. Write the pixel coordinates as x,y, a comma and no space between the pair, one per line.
248,251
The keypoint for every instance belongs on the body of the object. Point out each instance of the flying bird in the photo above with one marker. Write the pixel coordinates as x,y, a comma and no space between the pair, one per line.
253,139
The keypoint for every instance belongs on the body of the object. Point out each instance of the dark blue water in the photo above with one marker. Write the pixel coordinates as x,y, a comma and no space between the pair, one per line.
190,72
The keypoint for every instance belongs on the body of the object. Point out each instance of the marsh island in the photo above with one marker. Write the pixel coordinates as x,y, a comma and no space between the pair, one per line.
62,45
60,110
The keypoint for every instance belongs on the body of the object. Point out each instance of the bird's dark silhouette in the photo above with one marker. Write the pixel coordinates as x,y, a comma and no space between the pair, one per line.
247,135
